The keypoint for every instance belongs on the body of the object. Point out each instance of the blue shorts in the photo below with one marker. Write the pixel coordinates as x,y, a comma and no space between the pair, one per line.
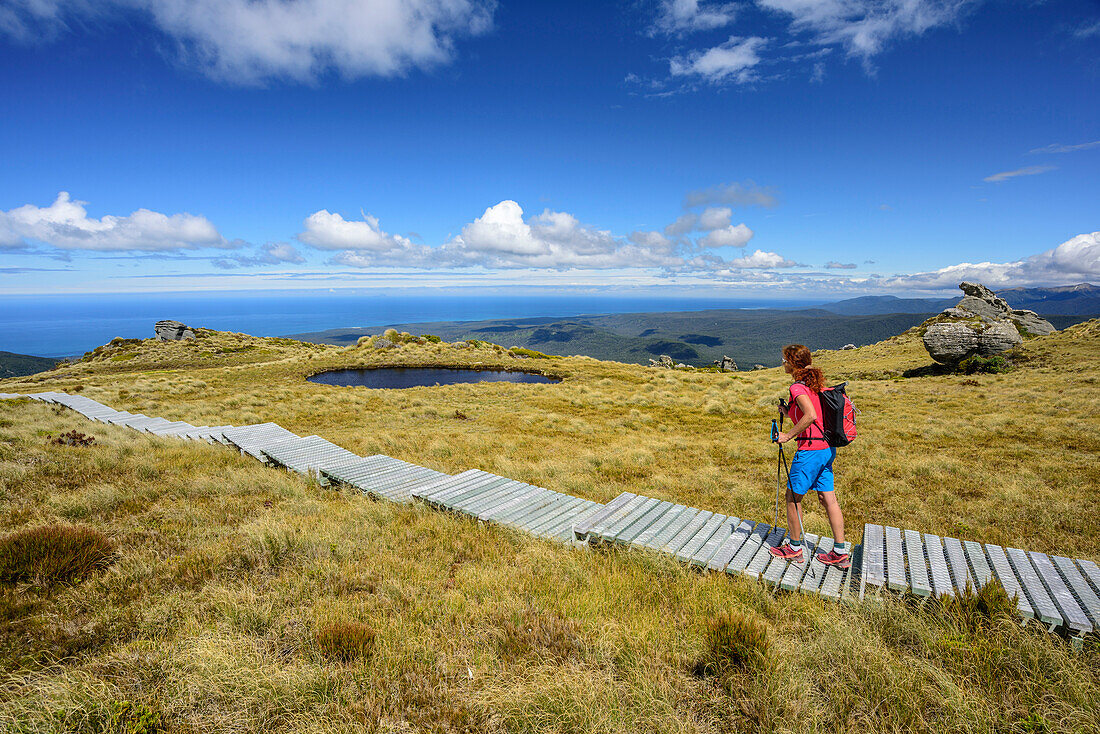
812,470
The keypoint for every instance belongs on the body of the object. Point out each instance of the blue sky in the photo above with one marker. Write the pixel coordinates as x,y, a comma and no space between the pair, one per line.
775,148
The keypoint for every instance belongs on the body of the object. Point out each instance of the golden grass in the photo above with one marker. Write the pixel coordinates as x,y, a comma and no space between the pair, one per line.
229,574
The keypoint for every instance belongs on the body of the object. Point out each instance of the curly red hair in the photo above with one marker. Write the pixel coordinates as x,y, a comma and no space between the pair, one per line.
798,356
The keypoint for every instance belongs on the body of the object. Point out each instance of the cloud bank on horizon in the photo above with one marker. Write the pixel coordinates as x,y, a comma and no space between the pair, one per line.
703,246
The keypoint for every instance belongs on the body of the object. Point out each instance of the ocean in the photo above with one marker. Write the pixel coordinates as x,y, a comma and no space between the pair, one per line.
68,325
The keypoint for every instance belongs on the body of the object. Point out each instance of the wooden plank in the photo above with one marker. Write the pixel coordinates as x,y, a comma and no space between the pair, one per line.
749,548
644,523
715,543
815,569
956,560
553,505
777,567
873,573
585,525
895,560
1091,572
760,561
566,512
658,527
728,549
628,519
478,486
430,491
918,569
601,527
707,549
1007,577
670,524
692,546
848,592
937,564
464,484
562,528
1044,606
1075,617
979,566
687,532
793,573
516,496
1082,591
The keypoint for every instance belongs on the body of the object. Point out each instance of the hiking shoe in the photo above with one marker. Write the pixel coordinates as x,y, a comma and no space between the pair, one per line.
835,559
787,552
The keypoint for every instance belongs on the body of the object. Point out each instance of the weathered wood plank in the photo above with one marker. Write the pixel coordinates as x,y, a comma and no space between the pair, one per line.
673,521
1080,587
668,515
979,566
601,527
956,560
585,525
777,567
937,564
895,560
873,573
918,569
749,548
1075,617
625,522
1044,606
1007,577
760,560
792,575
729,548
687,532
690,548
815,569
714,542
644,523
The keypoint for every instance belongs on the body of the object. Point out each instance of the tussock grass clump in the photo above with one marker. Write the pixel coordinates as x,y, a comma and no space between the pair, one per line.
977,609
540,634
736,642
117,717
345,641
53,554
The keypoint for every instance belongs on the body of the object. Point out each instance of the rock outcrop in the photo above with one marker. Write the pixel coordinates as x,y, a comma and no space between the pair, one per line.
849,346
725,364
172,331
665,361
981,324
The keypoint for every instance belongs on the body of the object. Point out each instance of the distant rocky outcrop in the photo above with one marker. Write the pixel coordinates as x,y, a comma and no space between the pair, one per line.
725,364
849,346
172,331
664,361
981,324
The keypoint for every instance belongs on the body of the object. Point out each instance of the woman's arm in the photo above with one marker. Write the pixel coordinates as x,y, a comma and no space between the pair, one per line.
809,415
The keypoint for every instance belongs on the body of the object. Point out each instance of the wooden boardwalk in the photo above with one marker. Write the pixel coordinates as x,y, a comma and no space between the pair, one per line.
1061,593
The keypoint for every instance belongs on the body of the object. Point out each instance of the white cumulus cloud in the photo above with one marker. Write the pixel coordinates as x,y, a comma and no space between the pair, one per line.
731,236
761,259
65,224
715,217
363,243
733,61
249,41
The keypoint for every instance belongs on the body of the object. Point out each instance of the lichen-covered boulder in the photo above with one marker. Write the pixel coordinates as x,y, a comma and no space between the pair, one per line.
725,364
950,342
383,343
171,331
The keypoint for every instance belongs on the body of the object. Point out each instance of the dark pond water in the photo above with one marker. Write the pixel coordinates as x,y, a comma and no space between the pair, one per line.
400,377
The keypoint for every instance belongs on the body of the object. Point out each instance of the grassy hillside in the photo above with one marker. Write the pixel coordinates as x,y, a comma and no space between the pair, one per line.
247,599
17,365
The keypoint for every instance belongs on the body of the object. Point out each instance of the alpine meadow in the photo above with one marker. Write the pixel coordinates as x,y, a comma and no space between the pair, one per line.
238,597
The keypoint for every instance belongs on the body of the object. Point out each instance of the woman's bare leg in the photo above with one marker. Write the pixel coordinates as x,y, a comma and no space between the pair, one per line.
832,510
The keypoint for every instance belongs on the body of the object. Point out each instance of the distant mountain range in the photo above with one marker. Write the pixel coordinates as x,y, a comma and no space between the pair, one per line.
748,336
1070,300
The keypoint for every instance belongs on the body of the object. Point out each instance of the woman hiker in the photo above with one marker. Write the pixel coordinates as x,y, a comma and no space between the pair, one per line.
812,466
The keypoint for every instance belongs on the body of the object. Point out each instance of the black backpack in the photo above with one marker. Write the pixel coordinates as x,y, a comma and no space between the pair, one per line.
838,416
